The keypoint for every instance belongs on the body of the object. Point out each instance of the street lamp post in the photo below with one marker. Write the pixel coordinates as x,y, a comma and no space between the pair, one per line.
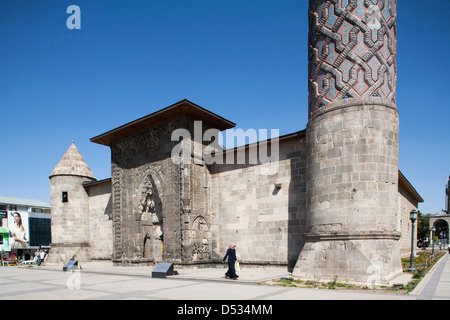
433,230
445,239
413,218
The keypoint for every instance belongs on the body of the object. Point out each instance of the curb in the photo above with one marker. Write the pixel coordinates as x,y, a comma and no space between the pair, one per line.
422,284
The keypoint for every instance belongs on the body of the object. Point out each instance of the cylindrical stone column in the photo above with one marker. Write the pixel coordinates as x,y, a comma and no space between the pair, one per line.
352,142
70,208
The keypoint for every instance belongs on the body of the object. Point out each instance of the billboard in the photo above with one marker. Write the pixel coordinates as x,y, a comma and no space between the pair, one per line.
19,231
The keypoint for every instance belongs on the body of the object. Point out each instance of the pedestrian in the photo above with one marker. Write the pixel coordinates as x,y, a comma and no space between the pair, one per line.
37,257
232,259
46,256
42,254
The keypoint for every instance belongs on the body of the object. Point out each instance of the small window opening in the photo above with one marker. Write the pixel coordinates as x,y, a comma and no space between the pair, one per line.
65,196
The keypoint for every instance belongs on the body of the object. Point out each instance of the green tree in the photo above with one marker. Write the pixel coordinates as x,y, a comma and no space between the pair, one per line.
423,225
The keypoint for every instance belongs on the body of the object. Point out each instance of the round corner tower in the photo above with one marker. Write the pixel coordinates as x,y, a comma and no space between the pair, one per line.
352,142
70,208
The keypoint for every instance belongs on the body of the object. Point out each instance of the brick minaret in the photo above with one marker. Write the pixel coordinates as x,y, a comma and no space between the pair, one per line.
352,139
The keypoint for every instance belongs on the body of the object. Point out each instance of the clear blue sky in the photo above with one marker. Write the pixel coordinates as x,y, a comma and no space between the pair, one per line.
245,60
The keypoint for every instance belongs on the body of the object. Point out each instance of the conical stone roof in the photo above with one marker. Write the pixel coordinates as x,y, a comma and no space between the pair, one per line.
72,164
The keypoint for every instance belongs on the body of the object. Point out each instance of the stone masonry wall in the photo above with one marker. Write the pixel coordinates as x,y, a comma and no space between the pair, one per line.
70,220
406,204
352,194
263,212
154,195
353,170
146,196
100,223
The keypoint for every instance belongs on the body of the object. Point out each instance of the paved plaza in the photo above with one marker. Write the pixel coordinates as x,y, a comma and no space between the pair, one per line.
104,282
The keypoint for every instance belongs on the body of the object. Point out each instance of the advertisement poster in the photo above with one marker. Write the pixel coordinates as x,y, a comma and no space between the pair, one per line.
18,227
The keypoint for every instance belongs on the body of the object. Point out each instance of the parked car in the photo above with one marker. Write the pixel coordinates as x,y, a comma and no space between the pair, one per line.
423,244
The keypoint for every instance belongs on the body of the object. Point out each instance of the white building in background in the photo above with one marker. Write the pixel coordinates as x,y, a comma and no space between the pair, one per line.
25,226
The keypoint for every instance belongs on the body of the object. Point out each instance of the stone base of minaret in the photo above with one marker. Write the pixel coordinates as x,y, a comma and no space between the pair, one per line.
61,253
370,258
352,212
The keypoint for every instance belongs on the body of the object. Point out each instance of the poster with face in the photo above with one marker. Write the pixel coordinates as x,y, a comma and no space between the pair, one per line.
18,227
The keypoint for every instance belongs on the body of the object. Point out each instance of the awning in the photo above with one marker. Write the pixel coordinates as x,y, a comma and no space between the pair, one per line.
4,230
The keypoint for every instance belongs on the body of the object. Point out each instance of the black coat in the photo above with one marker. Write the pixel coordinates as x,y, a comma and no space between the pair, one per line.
231,254
231,273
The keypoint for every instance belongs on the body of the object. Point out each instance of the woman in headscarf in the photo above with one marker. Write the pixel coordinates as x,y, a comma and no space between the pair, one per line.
231,254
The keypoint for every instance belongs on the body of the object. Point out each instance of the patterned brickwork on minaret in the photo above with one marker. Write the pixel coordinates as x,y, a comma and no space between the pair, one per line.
352,211
352,53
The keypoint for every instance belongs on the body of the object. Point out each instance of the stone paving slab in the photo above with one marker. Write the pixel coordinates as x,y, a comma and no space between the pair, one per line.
46,284
436,284
246,275
101,280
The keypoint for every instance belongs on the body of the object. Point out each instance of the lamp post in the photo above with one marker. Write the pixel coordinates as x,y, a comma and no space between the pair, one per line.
445,239
413,218
433,230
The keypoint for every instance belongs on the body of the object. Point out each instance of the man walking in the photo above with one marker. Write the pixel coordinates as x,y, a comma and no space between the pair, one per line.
42,256
37,257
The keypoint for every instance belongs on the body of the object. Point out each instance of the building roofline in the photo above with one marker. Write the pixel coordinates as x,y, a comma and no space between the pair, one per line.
169,113
72,164
284,138
26,202
409,187
88,184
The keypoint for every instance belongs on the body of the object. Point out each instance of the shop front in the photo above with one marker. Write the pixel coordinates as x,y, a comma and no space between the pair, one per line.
9,253
5,249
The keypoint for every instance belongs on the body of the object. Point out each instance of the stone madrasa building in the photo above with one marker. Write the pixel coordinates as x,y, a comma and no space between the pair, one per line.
333,203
